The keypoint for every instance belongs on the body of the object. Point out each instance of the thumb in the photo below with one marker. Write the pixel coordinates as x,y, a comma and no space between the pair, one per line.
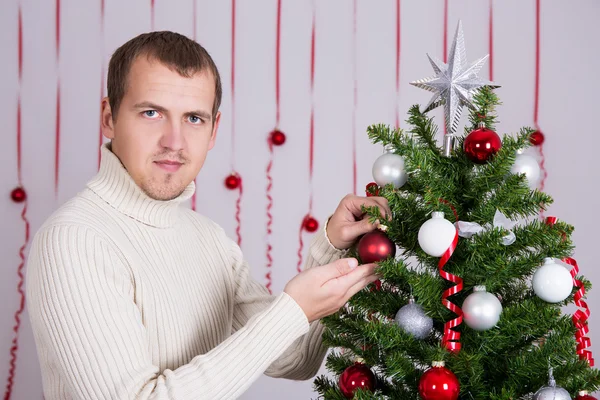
337,268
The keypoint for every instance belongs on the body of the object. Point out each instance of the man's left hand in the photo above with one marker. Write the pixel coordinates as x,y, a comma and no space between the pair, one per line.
349,222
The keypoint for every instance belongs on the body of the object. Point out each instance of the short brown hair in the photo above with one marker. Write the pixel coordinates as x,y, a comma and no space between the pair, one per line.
172,49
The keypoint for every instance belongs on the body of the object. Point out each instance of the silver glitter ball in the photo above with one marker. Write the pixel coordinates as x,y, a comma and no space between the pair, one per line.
412,319
389,168
552,393
481,309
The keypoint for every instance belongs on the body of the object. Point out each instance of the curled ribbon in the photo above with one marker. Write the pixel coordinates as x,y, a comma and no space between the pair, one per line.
468,229
581,316
451,338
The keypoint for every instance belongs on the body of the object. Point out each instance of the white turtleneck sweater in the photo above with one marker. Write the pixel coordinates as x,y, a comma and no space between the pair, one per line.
131,297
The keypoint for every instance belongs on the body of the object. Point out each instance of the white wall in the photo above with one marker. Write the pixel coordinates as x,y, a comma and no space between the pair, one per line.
568,106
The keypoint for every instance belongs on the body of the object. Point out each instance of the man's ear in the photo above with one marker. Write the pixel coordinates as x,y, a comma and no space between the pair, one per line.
107,123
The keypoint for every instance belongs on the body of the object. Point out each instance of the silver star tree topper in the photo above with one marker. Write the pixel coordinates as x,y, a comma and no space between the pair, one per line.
455,83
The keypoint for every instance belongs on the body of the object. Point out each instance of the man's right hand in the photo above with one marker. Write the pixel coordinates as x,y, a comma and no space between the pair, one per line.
321,291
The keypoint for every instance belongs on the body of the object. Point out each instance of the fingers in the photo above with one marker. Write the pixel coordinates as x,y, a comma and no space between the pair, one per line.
337,269
355,204
358,229
357,275
360,285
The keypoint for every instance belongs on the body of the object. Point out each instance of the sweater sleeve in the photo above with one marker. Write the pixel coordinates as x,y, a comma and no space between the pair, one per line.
89,331
304,357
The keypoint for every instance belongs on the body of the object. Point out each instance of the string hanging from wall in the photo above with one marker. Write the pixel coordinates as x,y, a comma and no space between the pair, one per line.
234,181
309,223
57,127
18,195
276,138
102,82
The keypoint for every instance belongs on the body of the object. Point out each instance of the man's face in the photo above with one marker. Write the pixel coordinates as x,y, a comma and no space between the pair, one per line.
164,127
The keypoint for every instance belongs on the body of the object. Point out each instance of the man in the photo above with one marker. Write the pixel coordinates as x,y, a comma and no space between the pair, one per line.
132,295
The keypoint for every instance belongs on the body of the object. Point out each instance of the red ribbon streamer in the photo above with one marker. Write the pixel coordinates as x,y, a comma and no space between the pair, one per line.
17,316
397,63
445,43
239,199
581,316
537,97
100,136
491,39
312,135
355,97
152,15
194,16
451,338
57,127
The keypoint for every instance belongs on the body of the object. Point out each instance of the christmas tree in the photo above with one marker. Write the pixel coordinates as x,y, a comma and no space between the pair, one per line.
471,307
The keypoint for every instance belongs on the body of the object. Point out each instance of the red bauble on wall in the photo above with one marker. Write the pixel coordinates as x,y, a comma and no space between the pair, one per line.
277,137
481,144
439,383
310,224
537,138
18,195
233,181
375,246
357,376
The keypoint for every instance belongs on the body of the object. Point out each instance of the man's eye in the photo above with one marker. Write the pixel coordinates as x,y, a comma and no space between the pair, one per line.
195,119
151,113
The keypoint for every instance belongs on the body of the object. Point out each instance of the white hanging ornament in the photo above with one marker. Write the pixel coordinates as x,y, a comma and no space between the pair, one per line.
412,319
551,392
481,309
528,165
436,234
389,168
552,282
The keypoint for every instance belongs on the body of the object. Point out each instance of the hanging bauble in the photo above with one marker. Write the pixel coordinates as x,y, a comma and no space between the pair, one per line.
436,234
439,383
481,144
528,165
357,376
372,189
375,246
310,224
277,137
552,282
18,195
584,395
537,138
481,309
389,168
412,319
233,181
552,391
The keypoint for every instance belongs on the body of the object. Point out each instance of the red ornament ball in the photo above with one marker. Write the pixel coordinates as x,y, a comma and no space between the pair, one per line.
583,395
18,195
375,246
537,138
310,224
372,189
277,137
357,376
439,383
481,144
233,181
376,287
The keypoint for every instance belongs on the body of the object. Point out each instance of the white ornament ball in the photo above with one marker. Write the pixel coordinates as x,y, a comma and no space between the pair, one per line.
389,168
552,393
412,319
552,282
436,234
528,165
481,309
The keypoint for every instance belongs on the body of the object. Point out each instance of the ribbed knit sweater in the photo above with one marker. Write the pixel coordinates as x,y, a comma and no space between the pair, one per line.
130,297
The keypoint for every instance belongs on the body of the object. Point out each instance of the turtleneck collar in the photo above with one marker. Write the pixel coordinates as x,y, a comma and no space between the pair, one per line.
115,186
